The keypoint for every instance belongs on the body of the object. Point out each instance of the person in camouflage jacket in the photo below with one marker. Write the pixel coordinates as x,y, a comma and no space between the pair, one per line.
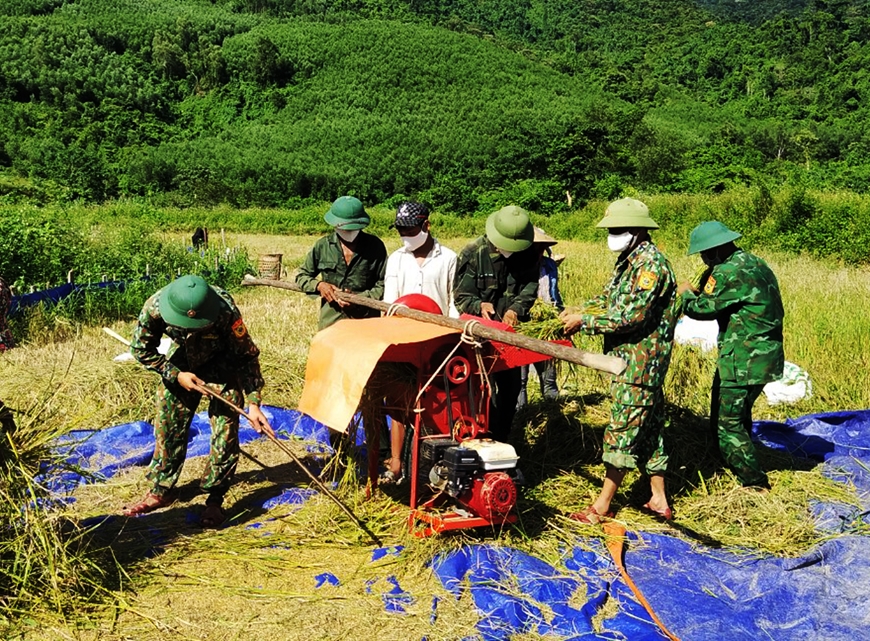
637,314
497,279
210,345
346,260
742,294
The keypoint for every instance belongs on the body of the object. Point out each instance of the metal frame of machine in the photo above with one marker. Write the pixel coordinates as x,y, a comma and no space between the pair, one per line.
458,477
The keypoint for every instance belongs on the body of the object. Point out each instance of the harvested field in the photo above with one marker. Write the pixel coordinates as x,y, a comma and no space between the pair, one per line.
255,577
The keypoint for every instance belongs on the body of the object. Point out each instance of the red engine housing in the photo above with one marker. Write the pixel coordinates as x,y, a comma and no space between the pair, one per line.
493,495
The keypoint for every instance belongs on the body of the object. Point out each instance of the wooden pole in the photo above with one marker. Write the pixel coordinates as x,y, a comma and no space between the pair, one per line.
601,362
320,485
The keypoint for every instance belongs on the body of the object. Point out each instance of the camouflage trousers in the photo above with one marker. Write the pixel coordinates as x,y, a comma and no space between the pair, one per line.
634,436
731,421
176,408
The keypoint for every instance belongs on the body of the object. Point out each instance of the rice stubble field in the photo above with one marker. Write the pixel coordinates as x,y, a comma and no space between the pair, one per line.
239,582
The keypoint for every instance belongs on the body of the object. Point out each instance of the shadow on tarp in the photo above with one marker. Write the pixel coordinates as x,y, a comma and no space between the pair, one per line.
700,594
104,452
841,440
517,593
703,594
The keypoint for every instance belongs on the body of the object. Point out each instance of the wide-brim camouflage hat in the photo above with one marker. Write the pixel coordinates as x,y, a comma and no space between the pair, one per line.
189,302
347,213
709,235
510,229
626,213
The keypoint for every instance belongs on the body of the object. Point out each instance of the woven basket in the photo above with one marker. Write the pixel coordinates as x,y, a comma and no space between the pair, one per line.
269,266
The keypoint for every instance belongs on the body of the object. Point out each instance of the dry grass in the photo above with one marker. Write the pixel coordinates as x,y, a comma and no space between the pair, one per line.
229,584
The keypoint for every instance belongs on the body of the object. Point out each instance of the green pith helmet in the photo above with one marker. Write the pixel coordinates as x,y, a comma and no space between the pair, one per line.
190,303
347,213
626,213
709,235
510,229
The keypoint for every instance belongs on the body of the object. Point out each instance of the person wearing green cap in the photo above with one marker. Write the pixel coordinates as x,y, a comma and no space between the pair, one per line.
211,345
346,260
637,314
497,279
742,294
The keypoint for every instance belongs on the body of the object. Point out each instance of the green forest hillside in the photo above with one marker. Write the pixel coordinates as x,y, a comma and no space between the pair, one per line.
463,103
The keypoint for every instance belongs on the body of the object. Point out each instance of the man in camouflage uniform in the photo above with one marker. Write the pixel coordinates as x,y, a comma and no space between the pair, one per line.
211,345
742,294
497,278
638,320
347,260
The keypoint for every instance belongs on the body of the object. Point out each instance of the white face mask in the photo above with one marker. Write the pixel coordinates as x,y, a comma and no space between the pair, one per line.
413,243
346,235
619,242
505,254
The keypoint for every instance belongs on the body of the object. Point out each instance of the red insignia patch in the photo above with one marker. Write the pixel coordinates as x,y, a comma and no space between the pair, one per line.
239,328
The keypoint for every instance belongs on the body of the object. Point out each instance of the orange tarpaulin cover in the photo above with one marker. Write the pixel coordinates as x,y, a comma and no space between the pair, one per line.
342,358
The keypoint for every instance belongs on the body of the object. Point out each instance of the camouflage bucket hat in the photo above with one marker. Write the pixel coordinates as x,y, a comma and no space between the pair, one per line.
709,235
347,213
625,213
189,302
510,229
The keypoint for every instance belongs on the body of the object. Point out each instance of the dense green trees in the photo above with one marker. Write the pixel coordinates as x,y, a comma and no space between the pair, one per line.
462,102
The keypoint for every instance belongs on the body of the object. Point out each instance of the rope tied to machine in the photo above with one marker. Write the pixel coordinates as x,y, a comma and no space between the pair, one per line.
466,338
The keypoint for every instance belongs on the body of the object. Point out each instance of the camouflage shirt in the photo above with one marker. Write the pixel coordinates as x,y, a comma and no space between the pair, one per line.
485,276
221,353
364,275
742,294
639,321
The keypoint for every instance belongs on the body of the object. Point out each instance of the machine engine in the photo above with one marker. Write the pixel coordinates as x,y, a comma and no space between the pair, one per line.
480,474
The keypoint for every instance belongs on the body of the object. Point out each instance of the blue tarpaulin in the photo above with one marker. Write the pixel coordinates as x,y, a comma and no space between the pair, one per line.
102,453
54,295
839,440
701,594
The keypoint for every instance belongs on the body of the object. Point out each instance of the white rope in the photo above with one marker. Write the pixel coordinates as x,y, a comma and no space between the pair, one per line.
393,307
436,372
467,338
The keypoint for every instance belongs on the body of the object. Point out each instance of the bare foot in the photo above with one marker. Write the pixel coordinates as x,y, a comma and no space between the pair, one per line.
212,516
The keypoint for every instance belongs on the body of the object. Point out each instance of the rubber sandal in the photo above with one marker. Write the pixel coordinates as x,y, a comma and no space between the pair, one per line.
150,503
583,517
665,515
213,516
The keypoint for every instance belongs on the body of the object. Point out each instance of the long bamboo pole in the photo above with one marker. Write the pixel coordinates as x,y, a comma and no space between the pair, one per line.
320,485
600,362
